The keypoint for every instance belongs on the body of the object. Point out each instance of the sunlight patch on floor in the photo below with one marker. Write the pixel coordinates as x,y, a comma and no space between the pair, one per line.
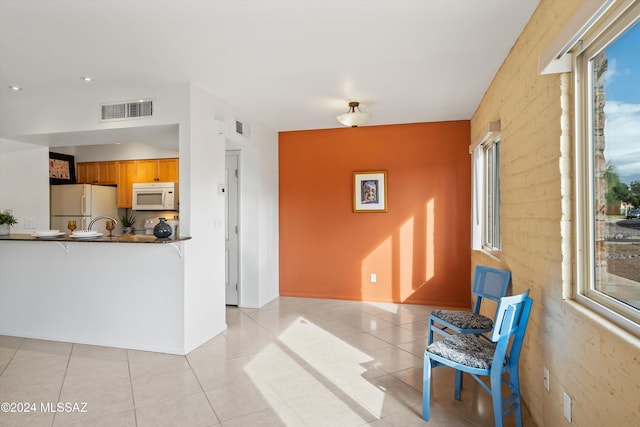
323,364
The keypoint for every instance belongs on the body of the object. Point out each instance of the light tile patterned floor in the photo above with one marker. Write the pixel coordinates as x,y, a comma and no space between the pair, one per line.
294,362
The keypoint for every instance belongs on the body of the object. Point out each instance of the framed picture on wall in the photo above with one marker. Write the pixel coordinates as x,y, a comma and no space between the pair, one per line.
370,191
62,169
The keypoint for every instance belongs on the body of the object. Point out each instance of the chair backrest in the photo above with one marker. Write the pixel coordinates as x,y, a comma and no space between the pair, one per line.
490,283
511,322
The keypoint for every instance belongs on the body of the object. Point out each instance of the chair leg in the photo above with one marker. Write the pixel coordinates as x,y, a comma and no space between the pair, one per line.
496,396
458,385
430,332
515,389
426,388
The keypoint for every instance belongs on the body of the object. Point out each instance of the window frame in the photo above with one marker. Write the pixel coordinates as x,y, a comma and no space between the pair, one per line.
484,205
491,236
585,290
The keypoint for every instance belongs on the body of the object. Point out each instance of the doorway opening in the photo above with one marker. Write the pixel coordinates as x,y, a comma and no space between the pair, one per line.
232,231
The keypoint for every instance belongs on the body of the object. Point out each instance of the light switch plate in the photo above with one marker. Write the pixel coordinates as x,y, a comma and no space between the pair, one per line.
29,222
546,378
567,406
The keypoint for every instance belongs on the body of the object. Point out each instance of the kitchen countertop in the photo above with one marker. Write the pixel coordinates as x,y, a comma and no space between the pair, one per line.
136,238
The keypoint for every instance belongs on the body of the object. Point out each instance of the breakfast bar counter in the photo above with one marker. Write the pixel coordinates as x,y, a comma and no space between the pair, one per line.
135,238
101,290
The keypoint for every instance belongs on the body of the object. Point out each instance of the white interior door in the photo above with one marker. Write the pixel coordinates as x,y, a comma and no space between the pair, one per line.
231,248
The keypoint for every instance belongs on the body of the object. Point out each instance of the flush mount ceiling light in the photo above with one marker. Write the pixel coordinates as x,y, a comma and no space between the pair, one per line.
87,79
15,88
353,118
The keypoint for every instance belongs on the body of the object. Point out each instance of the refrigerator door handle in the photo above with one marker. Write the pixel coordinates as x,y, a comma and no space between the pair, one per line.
83,207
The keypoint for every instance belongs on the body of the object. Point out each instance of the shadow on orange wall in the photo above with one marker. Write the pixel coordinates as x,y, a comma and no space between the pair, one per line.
419,249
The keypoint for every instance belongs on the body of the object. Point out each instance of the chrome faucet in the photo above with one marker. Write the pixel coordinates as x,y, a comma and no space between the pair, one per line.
115,221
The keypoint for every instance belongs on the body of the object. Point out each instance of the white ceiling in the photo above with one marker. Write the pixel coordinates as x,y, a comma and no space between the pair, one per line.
293,64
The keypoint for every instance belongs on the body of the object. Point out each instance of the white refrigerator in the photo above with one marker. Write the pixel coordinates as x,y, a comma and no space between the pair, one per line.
82,203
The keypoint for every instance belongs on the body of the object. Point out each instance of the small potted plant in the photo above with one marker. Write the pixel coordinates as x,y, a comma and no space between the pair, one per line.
128,221
6,221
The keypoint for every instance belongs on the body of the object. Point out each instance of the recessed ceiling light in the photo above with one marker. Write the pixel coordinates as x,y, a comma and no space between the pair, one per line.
86,79
16,88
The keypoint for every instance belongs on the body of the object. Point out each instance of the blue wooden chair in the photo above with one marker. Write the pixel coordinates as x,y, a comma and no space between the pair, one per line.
496,358
488,283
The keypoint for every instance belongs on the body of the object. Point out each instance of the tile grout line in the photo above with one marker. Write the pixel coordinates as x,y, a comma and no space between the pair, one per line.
64,377
258,323
133,398
12,357
206,396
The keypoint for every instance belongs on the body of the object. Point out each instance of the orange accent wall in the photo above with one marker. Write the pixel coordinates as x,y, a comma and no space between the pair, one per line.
419,249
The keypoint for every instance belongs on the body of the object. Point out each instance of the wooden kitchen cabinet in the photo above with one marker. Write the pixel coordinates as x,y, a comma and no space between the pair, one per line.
148,170
102,173
157,170
168,170
107,172
85,173
126,178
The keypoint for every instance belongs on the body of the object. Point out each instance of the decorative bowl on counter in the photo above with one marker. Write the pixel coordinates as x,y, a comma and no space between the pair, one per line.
47,232
84,234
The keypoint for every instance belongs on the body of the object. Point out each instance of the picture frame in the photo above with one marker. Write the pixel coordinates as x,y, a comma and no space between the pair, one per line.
62,169
370,191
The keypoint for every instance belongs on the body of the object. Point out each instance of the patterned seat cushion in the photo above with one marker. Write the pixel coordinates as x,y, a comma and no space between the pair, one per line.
464,319
468,350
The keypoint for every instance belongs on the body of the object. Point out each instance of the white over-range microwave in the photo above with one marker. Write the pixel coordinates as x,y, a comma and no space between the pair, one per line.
155,196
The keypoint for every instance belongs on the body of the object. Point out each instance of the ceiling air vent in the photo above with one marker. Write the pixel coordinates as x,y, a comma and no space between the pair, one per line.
127,110
242,128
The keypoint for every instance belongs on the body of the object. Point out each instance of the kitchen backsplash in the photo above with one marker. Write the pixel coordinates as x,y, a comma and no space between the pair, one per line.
142,216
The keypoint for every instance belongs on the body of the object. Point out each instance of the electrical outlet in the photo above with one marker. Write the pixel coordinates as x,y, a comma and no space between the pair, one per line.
373,278
29,222
567,406
546,378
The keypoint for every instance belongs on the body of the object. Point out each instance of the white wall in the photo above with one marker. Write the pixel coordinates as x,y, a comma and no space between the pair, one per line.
258,181
269,218
259,278
24,183
202,167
